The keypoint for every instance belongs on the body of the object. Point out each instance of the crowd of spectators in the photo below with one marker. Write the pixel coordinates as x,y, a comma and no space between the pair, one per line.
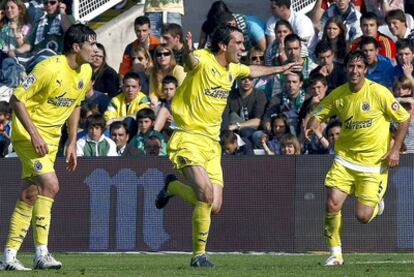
127,112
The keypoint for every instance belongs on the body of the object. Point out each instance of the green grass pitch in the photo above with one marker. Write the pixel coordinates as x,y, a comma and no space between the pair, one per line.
152,264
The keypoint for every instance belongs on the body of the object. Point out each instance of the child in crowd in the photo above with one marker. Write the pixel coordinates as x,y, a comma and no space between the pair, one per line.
164,121
280,127
232,144
146,118
290,145
5,128
95,143
403,87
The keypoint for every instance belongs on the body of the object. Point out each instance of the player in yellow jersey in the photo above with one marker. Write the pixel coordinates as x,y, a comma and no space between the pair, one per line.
197,109
363,150
49,97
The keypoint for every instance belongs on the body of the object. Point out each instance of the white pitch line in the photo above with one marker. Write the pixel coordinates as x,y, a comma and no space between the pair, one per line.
383,262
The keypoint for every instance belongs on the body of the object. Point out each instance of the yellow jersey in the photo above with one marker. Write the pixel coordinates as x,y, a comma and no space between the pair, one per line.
118,106
50,93
200,101
366,116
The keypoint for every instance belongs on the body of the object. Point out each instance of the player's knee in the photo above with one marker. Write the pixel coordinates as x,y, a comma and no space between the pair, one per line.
215,209
363,216
51,189
333,206
29,195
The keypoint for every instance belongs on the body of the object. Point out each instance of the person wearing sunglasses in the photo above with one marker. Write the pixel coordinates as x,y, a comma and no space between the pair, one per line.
197,109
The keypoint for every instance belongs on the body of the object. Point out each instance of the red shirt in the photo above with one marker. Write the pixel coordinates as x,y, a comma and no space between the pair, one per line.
386,45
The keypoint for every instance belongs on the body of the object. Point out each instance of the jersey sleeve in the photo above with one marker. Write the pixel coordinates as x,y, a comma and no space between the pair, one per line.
324,110
392,108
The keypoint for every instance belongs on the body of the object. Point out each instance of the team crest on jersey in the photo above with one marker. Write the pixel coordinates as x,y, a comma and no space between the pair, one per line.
365,106
395,106
37,166
29,81
80,84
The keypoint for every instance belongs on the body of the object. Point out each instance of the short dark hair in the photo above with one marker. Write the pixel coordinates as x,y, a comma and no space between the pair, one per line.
170,80
333,124
280,3
368,40
323,46
173,29
292,38
355,54
297,73
5,107
395,14
368,16
118,125
317,77
132,75
404,43
142,20
227,137
146,113
77,33
222,34
95,120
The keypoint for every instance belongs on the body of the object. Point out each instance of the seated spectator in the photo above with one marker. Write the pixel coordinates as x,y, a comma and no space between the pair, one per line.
95,97
144,39
146,119
403,87
275,53
301,24
264,83
172,34
405,60
120,135
141,64
125,105
164,64
350,18
106,78
369,26
161,13
331,70
293,48
279,127
380,68
153,146
333,130
408,104
397,23
232,144
164,121
245,109
95,143
290,145
5,129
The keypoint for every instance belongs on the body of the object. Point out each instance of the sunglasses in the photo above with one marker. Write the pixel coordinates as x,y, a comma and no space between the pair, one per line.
50,2
165,54
138,58
257,58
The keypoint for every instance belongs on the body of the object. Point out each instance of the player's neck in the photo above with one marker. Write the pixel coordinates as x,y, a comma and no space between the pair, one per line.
356,87
221,59
72,61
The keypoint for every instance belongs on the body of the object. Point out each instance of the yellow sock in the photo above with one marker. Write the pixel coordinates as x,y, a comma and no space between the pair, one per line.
333,227
41,219
19,224
176,188
201,226
374,214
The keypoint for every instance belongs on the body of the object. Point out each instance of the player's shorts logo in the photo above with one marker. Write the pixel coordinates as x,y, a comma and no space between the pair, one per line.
365,107
37,166
80,84
395,106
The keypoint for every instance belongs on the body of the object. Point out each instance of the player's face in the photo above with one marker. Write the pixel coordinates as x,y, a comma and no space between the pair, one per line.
405,56
169,91
318,90
371,52
397,27
279,127
369,27
235,47
356,71
333,134
98,58
288,149
326,58
12,11
130,89
293,84
120,137
95,132
87,51
281,32
342,5
292,50
332,31
144,125
142,32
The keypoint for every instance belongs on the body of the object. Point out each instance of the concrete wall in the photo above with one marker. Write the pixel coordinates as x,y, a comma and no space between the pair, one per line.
117,33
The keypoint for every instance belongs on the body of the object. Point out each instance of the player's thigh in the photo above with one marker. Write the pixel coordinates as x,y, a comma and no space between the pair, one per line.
370,188
341,178
200,182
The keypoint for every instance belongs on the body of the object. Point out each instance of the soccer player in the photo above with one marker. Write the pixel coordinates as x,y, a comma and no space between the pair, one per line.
197,108
363,151
50,95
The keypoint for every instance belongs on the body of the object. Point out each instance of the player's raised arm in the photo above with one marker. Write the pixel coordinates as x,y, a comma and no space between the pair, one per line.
19,109
72,123
259,70
189,58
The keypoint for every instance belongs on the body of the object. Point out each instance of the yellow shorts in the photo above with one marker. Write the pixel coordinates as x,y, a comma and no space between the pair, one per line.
33,164
369,188
186,149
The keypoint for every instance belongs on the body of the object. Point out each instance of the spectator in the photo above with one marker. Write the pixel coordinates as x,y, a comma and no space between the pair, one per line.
369,26
350,18
245,109
405,60
331,70
141,64
153,146
232,144
164,64
162,12
334,32
95,143
164,121
86,110
5,129
279,127
146,119
290,145
264,83
301,24
97,98
380,68
144,39
403,87
120,135
125,105
173,36
333,130
397,23
275,54
106,78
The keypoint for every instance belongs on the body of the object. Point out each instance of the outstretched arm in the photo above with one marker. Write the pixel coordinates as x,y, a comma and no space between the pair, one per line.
259,70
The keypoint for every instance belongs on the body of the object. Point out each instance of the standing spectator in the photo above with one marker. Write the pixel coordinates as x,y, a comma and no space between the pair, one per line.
106,78
397,23
95,143
172,34
120,135
163,12
144,39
